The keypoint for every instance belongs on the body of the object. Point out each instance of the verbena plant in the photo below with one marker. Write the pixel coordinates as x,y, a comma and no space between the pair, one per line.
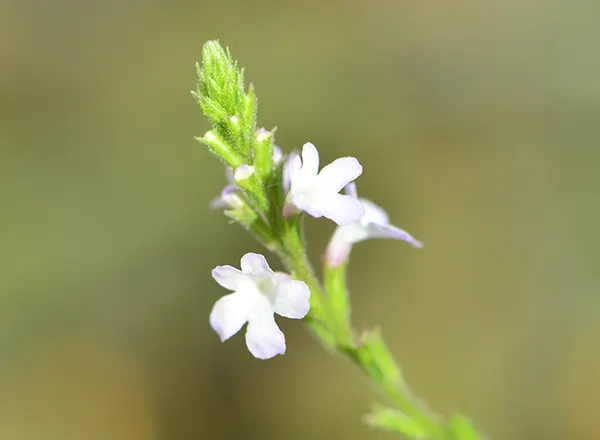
268,193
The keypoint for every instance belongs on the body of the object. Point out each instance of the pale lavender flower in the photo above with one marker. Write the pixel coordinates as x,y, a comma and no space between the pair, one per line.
258,294
288,165
277,155
317,193
229,196
375,223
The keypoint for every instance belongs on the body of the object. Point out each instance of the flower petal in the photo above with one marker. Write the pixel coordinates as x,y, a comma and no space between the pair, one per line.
282,276
230,313
389,231
225,199
230,175
307,204
228,277
263,337
374,213
290,168
218,203
293,299
339,173
351,189
277,155
310,159
255,264
339,208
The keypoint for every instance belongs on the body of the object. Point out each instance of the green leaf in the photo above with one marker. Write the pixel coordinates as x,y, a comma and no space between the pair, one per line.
394,421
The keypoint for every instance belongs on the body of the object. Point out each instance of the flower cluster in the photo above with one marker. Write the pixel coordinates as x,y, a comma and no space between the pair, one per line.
259,292
267,193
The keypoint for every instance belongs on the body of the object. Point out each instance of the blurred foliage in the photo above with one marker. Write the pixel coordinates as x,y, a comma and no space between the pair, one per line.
477,130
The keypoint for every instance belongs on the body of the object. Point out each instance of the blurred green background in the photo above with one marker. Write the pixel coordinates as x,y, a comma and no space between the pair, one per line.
478,127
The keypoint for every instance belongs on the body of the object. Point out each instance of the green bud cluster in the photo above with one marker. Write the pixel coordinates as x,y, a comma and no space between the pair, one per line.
235,139
229,109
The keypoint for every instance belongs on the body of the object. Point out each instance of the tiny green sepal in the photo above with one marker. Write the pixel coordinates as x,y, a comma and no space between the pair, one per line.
248,115
263,153
234,128
221,149
254,188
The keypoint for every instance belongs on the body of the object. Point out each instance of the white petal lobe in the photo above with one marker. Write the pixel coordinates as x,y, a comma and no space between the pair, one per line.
392,232
263,337
310,159
293,299
228,277
290,168
255,264
374,213
341,209
229,314
339,173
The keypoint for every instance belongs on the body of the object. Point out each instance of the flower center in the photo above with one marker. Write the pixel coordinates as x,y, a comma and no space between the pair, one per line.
268,288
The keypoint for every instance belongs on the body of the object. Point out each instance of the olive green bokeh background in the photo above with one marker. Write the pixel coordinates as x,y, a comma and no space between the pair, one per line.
477,125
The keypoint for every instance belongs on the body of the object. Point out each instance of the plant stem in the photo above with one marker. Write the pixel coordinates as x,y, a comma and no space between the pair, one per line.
379,367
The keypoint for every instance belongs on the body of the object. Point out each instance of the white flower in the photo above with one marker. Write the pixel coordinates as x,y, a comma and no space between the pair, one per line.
317,193
258,294
375,223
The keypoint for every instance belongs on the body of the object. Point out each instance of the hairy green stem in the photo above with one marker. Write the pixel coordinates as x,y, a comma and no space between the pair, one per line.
339,335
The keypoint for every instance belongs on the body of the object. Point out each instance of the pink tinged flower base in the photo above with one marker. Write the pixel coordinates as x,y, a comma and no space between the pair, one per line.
258,294
317,193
